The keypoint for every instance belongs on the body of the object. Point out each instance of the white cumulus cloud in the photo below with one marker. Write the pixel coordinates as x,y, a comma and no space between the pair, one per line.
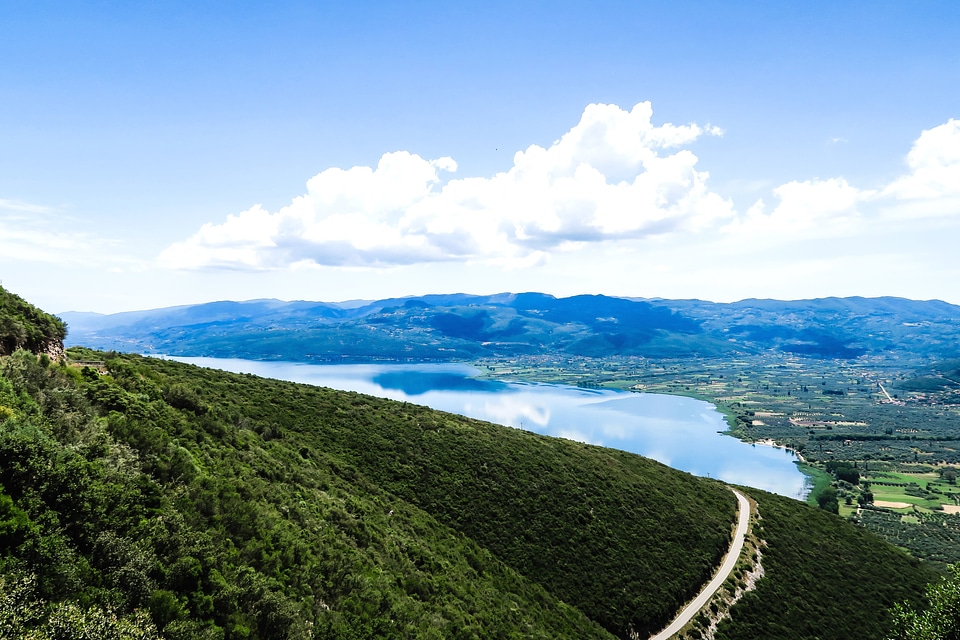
931,189
615,175
934,163
810,207
833,207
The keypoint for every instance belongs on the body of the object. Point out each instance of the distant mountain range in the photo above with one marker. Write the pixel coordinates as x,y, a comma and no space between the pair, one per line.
462,326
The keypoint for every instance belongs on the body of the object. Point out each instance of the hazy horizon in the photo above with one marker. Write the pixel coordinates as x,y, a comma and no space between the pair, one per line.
360,302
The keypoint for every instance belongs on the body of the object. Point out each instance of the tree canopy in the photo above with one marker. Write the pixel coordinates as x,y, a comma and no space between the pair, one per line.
939,619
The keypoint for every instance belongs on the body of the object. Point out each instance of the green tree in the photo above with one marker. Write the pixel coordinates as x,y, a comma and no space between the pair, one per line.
827,500
949,475
25,617
941,618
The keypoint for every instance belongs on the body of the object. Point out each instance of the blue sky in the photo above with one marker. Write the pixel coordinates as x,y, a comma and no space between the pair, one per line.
174,153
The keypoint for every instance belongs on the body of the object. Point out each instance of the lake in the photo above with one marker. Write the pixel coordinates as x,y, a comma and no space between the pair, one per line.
681,432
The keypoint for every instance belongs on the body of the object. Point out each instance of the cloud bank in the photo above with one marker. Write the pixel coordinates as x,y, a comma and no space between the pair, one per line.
614,176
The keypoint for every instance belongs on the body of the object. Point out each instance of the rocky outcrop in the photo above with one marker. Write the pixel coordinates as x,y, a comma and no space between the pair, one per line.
55,351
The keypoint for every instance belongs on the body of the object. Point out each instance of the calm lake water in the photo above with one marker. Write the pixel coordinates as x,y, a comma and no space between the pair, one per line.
680,432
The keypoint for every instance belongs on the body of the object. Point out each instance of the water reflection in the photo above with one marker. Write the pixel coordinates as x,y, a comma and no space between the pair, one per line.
677,431
422,382
512,411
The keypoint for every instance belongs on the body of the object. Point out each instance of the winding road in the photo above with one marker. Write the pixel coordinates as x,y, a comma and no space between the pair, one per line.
729,562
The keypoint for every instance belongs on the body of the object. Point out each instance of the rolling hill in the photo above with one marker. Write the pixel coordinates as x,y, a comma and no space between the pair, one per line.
465,327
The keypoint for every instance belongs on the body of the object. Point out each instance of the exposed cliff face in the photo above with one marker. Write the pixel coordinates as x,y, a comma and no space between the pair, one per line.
12,341
55,350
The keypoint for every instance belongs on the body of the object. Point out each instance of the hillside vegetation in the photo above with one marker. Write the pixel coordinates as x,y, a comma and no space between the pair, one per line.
189,503
588,523
23,326
819,564
116,501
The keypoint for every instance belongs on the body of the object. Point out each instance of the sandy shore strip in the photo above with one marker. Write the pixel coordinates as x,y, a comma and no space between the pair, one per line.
768,442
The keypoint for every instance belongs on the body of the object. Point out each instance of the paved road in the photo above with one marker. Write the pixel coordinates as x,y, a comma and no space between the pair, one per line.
729,562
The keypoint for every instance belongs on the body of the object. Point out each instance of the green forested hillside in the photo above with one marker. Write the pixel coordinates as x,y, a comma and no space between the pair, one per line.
590,524
124,496
820,574
23,326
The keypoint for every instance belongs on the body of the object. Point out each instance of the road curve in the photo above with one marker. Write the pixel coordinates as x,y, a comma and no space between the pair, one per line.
729,562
